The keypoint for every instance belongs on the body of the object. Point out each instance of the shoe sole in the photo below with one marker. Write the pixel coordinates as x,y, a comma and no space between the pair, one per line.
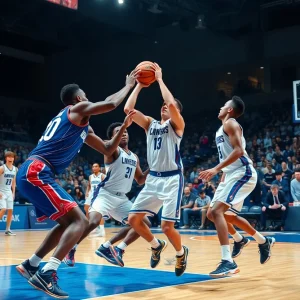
271,245
66,263
242,249
227,274
23,272
113,252
100,254
162,250
40,287
187,253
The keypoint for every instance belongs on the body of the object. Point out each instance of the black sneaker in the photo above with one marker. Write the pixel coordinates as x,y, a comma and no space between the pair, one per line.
155,257
224,269
26,269
265,249
47,282
106,253
117,253
181,262
238,247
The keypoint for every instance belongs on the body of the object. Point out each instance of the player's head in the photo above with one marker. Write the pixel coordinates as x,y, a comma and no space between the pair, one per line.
113,129
96,168
71,94
234,108
165,113
9,156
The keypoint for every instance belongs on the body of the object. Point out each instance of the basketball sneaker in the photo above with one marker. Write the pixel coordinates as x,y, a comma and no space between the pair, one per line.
265,249
69,260
224,269
238,247
9,233
26,269
155,257
47,282
181,262
117,253
107,254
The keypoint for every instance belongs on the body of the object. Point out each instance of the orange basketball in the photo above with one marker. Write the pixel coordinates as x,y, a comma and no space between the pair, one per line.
147,74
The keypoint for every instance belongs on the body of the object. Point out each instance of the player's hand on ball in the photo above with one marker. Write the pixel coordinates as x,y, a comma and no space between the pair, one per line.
158,72
128,119
142,85
208,174
131,78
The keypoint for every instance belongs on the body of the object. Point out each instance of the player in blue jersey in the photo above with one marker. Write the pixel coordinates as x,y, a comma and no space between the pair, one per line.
59,144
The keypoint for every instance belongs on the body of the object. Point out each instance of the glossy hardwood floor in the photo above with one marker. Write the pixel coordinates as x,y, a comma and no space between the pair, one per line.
278,279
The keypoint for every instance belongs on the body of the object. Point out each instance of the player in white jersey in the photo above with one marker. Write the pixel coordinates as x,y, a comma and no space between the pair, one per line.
238,181
94,180
164,185
109,198
8,174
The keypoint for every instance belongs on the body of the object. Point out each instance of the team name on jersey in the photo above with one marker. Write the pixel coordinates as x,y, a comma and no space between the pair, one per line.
220,139
9,175
128,161
159,131
94,181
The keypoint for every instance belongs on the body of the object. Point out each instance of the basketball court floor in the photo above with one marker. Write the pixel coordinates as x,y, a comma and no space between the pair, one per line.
94,278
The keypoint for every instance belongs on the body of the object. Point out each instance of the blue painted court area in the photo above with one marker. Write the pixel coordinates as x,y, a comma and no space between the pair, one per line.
89,281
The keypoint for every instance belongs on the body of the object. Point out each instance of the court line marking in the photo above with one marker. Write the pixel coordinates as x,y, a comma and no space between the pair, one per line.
161,287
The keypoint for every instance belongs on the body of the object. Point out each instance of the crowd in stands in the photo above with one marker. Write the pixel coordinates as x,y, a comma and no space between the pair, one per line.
273,143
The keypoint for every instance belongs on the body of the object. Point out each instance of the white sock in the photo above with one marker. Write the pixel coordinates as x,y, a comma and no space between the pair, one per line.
154,243
226,255
259,238
122,246
101,227
34,260
106,244
75,247
237,237
180,252
52,264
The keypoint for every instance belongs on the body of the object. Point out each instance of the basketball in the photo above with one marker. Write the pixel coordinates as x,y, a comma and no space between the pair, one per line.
147,74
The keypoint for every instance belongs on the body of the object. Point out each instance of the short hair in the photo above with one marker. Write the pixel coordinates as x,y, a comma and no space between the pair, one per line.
110,129
297,170
97,163
278,173
179,104
9,154
68,92
202,192
238,106
274,186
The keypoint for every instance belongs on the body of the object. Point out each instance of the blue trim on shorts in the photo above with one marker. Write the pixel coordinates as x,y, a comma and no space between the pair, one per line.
170,219
141,211
239,184
99,186
165,174
179,195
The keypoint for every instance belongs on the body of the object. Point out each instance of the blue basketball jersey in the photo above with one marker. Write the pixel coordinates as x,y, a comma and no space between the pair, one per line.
61,141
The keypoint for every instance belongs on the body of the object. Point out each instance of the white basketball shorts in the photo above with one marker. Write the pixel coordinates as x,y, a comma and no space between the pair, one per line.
237,186
7,201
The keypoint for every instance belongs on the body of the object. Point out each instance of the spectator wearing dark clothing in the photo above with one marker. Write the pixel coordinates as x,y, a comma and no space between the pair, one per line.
187,202
283,183
274,206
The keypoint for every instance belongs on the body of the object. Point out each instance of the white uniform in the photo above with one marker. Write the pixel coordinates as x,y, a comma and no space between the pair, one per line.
6,180
94,181
110,198
240,176
164,184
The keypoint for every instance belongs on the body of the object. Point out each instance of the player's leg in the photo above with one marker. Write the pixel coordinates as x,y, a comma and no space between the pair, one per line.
10,205
86,209
203,218
3,205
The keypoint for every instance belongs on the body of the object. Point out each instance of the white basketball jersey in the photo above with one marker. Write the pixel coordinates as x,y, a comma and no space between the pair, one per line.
120,173
7,178
225,148
94,181
163,147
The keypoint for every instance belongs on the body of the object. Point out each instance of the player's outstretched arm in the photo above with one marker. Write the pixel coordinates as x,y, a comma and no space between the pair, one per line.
140,176
234,132
139,118
86,108
109,147
176,117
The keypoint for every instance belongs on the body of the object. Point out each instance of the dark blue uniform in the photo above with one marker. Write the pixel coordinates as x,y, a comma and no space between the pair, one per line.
58,146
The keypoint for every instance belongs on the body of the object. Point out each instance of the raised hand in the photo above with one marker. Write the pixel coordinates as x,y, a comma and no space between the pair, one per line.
131,78
158,72
128,119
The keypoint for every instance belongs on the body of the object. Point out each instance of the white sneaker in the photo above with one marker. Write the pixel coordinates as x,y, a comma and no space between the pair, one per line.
101,232
9,233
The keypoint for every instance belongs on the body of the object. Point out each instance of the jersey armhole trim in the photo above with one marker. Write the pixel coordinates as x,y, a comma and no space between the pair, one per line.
150,125
68,112
115,159
174,130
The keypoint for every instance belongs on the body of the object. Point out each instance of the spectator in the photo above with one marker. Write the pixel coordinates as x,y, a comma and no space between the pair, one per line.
187,201
275,206
269,177
295,186
200,208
